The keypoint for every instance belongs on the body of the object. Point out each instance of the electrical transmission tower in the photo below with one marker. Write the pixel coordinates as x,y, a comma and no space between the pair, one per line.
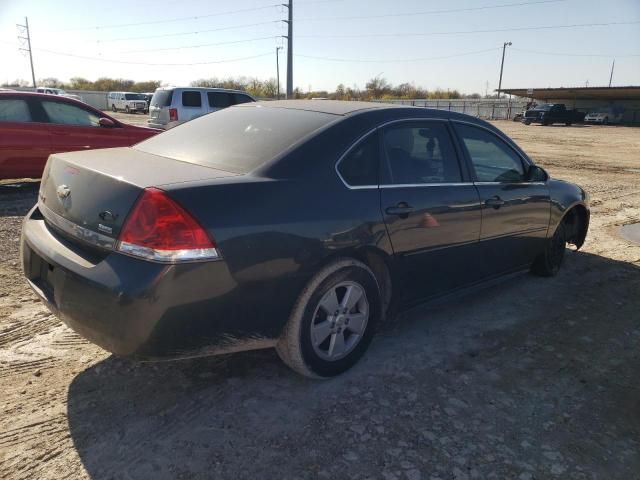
25,38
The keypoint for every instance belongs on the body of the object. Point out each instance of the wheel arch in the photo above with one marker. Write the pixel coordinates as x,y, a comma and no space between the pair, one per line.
379,262
576,220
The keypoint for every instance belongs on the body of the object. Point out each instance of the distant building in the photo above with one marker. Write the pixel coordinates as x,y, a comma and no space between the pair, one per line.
620,100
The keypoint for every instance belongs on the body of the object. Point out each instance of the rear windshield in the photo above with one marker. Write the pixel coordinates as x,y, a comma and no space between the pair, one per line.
162,98
134,96
236,139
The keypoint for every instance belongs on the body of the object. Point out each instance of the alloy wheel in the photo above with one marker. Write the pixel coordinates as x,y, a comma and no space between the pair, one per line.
339,321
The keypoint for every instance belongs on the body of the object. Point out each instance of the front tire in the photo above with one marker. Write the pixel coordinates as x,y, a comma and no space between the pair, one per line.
549,262
126,109
527,122
333,321
113,107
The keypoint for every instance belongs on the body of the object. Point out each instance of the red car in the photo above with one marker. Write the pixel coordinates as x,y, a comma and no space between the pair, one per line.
34,125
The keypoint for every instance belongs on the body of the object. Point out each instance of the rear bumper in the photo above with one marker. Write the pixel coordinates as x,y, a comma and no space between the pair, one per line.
162,126
134,307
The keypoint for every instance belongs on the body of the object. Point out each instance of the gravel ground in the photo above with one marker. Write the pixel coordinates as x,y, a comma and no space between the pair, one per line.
529,379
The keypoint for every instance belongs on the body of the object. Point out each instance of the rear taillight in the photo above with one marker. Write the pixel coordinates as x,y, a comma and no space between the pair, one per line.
173,114
159,229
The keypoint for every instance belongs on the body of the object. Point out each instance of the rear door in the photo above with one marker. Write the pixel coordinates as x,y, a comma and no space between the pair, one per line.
515,211
25,141
159,107
430,207
73,127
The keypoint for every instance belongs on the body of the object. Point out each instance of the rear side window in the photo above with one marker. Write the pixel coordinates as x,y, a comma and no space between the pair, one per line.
191,98
162,98
67,114
493,160
14,110
219,99
419,153
240,98
360,166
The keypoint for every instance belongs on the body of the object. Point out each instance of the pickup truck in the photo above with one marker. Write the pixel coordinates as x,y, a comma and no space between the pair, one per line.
550,113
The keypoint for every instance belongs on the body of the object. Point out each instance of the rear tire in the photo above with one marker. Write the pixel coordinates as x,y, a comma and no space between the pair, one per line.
319,343
549,262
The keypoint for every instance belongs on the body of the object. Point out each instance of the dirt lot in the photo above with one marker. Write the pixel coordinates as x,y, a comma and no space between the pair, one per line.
531,379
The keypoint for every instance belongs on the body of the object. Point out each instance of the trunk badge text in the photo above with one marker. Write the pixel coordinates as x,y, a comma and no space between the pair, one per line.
104,228
63,192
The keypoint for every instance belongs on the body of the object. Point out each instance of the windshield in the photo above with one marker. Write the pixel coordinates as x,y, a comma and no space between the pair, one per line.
544,106
236,139
134,96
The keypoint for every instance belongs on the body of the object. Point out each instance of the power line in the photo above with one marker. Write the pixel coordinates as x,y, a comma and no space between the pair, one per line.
461,32
429,12
125,62
406,60
558,54
193,32
171,20
230,42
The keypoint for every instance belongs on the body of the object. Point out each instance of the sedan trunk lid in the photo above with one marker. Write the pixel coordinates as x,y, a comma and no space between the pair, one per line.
88,194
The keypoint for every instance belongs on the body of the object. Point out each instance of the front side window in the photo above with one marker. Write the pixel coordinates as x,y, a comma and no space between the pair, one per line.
219,99
360,166
67,114
493,160
14,110
191,99
418,153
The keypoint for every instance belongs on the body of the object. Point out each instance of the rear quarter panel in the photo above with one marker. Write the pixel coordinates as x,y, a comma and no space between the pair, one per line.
275,233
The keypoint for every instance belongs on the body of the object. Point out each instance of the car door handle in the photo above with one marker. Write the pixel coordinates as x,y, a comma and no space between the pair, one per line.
402,209
495,202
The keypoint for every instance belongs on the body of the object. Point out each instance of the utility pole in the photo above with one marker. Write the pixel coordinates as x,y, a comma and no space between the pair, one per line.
504,47
289,38
24,30
278,70
611,76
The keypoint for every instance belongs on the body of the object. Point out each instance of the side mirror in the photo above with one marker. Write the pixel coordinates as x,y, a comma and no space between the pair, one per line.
537,174
106,122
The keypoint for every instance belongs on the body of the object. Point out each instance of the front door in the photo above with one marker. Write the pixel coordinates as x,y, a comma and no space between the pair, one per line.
515,210
75,128
430,208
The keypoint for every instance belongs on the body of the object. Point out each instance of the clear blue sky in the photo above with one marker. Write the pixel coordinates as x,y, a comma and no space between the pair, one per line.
401,45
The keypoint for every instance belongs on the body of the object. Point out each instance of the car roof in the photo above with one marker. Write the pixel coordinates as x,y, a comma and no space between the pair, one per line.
335,107
208,89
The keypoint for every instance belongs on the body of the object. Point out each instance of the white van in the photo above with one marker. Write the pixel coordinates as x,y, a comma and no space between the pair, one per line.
171,106
127,101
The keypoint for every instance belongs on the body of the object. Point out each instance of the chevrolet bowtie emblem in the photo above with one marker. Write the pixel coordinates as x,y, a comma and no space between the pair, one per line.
63,191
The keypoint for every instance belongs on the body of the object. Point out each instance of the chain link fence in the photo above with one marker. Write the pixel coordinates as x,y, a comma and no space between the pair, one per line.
491,109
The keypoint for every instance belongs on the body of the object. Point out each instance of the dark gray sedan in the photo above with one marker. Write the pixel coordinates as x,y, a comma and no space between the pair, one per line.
297,225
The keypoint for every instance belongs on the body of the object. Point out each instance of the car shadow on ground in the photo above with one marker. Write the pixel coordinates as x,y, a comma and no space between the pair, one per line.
17,198
496,371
